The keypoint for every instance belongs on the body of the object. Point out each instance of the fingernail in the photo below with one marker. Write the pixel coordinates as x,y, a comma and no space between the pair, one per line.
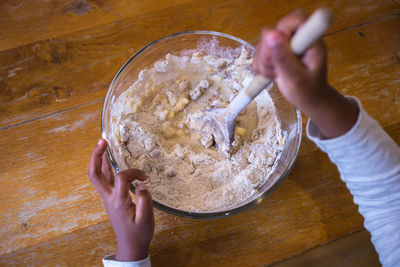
142,187
274,40
101,139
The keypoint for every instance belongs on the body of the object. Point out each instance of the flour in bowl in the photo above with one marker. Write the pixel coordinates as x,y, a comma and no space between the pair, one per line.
154,129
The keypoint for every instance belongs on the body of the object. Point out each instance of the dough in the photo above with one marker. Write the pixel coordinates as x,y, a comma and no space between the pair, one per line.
153,129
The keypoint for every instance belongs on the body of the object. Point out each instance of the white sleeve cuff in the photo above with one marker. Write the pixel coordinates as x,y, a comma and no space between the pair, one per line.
110,261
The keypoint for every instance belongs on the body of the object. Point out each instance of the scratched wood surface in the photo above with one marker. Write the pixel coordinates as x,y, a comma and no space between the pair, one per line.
57,59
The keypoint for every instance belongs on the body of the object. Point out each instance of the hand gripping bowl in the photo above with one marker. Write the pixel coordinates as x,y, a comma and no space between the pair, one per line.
288,115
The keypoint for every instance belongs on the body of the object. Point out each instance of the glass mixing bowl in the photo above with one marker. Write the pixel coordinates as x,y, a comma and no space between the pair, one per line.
289,116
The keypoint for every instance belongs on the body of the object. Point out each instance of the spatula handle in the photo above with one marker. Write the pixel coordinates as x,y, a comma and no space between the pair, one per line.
304,37
311,30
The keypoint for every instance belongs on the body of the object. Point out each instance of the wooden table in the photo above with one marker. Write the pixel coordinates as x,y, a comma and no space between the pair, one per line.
57,59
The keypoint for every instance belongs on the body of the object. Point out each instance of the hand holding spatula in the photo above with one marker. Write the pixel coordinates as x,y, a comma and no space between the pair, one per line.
222,121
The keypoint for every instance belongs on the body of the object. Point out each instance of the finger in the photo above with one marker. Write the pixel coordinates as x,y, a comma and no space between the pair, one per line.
258,58
123,179
262,62
121,186
133,174
286,63
292,21
315,57
95,160
267,71
264,53
144,206
254,63
95,173
107,170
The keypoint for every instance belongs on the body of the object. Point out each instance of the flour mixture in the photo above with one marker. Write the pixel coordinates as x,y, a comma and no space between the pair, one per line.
154,128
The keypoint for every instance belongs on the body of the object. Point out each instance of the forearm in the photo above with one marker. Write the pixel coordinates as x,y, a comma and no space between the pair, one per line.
125,252
369,162
332,113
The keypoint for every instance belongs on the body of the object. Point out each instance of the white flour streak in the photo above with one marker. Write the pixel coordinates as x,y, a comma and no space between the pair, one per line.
76,124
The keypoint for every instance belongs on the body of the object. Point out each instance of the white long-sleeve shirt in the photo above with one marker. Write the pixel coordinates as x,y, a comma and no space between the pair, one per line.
369,163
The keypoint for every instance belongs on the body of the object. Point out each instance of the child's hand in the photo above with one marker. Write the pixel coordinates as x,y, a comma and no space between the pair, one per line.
302,80
133,224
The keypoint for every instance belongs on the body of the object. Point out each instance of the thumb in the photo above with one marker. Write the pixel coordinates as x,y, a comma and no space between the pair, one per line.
286,63
144,206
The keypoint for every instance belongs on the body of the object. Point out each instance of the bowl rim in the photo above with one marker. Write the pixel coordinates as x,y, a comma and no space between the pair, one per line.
189,214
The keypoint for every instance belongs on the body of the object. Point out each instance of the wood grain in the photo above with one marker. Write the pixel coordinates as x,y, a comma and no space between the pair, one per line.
56,61
26,22
40,78
365,62
327,254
